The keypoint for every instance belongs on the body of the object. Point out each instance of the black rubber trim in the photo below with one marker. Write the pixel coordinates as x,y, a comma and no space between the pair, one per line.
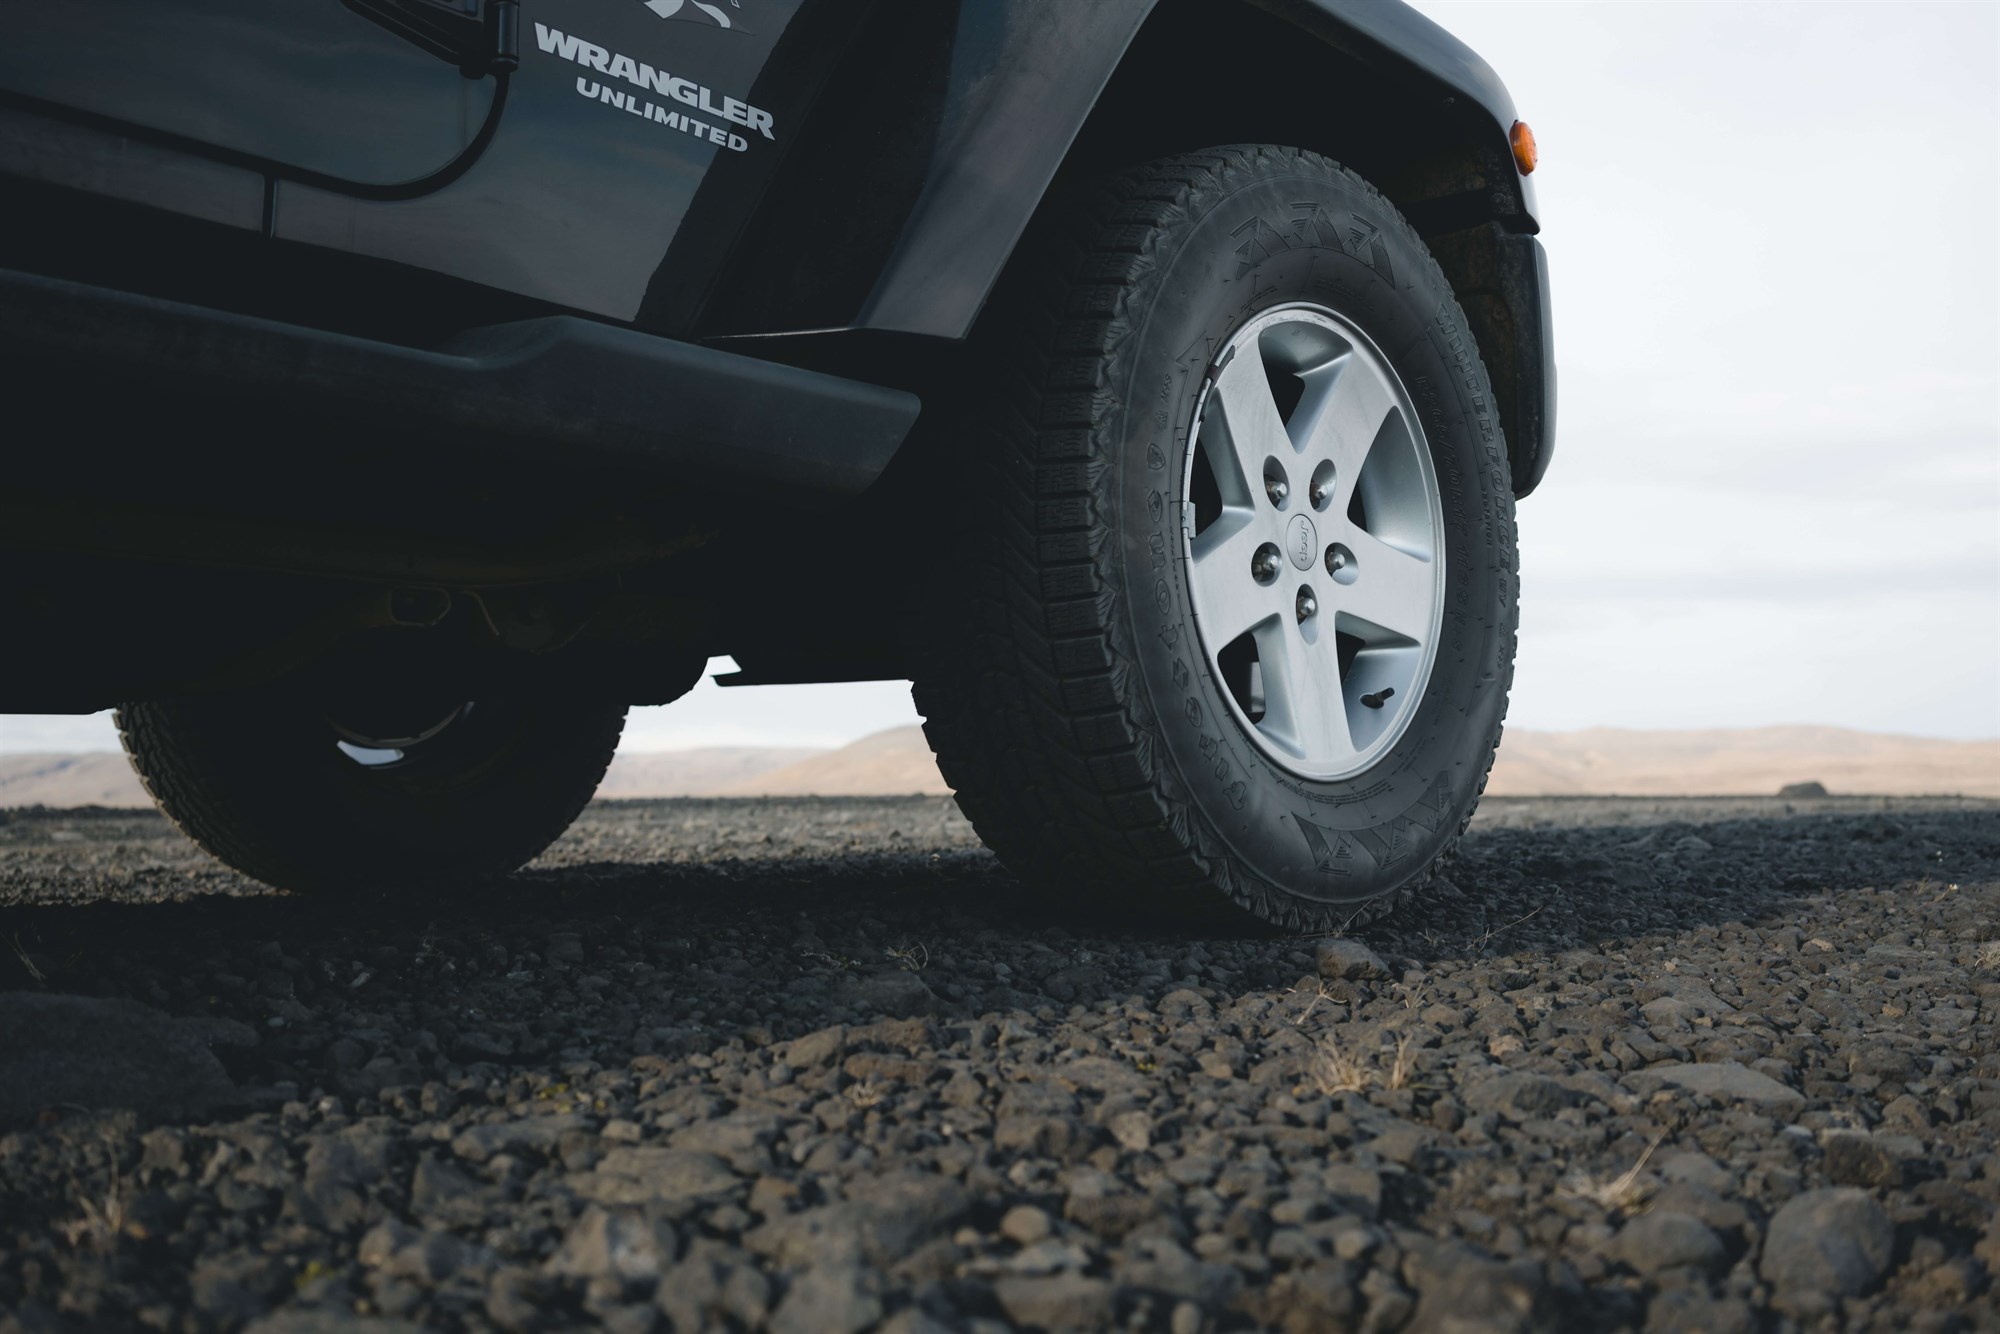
566,393
1537,420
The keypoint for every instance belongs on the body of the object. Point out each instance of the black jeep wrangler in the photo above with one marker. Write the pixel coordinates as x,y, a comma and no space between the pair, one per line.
397,390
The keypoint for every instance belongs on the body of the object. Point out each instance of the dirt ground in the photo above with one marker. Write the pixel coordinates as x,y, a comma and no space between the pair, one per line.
821,1065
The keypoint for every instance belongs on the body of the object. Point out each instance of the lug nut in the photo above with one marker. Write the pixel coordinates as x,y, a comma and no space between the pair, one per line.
1320,490
1277,490
1308,604
1264,566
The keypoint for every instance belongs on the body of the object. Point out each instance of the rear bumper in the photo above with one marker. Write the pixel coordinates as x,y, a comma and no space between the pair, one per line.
556,397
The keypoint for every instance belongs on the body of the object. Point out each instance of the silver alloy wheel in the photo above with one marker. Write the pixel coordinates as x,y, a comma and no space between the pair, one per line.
1314,539
372,752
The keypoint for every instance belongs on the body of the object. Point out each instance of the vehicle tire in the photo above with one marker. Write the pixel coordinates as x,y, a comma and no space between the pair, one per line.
1234,604
272,784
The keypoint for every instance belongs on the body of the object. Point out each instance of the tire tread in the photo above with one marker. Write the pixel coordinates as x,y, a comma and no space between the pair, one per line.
1028,704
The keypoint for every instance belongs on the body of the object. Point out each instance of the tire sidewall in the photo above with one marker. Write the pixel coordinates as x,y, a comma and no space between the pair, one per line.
1306,232
256,778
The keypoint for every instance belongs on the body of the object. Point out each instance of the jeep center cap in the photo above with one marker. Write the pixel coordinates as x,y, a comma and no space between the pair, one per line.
1301,541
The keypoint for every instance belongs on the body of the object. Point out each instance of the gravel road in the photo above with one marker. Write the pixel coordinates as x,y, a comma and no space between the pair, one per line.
821,1066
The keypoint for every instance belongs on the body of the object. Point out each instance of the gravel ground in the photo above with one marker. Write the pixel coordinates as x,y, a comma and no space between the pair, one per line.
821,1066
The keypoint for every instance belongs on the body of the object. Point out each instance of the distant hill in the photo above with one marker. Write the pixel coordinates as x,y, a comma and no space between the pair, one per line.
104,778
1746,761
87,778
698,772
892,763
1599,761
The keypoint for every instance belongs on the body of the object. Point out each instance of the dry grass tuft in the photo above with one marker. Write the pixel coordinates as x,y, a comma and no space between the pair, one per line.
1335,1069
1622,1191
27,959
98,1223
913,957
1987,956
1320,993
1486,939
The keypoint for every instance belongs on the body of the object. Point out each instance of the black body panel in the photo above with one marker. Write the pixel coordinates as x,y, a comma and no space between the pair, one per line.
558,393
334,267
306,87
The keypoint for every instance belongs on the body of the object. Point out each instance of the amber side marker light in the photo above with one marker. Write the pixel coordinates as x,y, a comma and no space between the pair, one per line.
1523,140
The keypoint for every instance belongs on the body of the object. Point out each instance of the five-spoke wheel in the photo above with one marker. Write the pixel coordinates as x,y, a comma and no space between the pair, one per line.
1317,605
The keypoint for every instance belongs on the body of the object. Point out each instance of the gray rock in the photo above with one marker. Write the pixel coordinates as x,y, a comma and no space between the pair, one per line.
340,1171
620,1242
1060,1137
1113,1213
1048,1256
1316,1297
829,1299
383,1240
646,1174
1354,1187
1656,1242
1081,982
880,1222
472,1046
1696,1168
1169,1269
1459,1292
1520,1096
633,1319
1056,1301
516,1298
1133,1130
1836,1241
898,993
690,1293
913,1320
743,1138
104,1054
821,1047
746,1295
1856,1158
1809,788
237,1287
1350,960
433,1257
327,1321
1722,1214
1725,1081
525,1134
1689,1309
1025,1225
440,1189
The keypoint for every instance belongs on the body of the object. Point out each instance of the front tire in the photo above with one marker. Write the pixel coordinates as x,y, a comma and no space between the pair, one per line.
307,796
1240,603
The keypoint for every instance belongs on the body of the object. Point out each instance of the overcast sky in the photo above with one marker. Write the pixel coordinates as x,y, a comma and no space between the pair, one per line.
1776,493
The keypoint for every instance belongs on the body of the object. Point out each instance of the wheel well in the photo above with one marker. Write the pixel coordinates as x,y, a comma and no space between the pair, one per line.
1202,73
